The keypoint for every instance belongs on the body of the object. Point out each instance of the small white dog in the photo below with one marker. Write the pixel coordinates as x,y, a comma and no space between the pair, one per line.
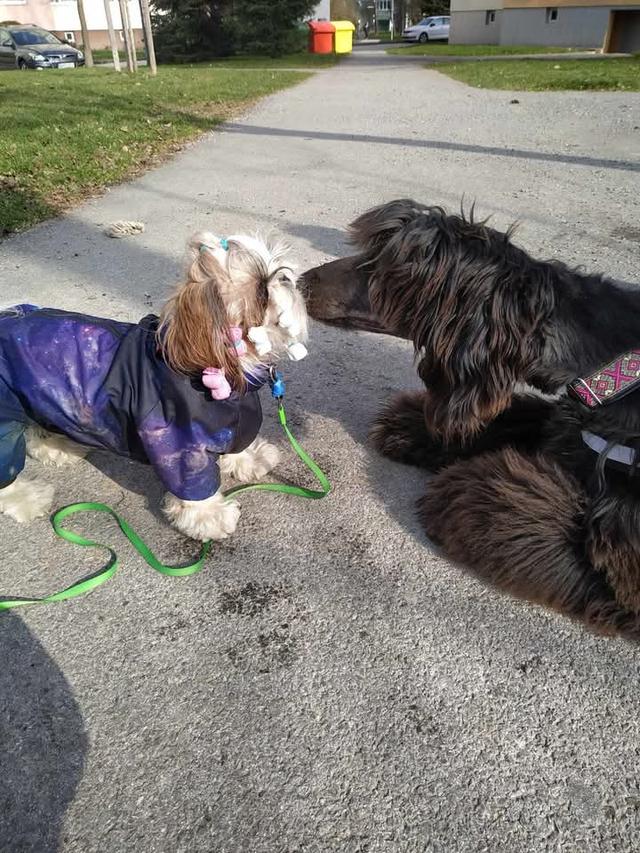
179,391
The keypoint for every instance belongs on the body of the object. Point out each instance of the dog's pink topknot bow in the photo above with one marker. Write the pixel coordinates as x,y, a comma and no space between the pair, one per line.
238,344
214,379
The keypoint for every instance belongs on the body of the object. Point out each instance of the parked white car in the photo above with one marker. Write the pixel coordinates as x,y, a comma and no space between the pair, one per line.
429,29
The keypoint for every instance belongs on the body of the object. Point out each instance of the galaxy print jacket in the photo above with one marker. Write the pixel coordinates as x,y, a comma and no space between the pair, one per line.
103,384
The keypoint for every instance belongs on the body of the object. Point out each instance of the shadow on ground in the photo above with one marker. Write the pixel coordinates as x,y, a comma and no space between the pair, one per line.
436,145
43,742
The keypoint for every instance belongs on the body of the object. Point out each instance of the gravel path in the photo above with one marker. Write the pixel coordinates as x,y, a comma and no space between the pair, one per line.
328,683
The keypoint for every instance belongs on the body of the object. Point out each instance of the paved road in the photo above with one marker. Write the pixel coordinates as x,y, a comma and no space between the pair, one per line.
328,683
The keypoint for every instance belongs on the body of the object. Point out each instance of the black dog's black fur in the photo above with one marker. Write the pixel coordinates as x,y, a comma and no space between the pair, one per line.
519,498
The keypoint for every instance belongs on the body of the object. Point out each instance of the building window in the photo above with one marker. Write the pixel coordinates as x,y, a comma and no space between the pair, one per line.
71,37
552,14
490,17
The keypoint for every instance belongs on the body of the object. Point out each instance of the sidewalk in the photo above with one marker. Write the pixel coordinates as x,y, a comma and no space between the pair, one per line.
328,683
383,46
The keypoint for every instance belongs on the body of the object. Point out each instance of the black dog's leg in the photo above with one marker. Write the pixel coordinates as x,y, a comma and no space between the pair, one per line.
400,431
518,523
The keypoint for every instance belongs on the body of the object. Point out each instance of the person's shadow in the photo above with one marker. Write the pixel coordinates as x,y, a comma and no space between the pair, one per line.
42,742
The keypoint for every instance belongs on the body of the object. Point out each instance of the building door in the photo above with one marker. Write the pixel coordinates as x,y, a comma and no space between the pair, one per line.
623,34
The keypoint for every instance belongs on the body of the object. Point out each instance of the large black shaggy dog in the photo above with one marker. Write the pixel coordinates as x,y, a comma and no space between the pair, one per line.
538,496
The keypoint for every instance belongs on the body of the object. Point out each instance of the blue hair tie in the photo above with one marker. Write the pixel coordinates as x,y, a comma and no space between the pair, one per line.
224,244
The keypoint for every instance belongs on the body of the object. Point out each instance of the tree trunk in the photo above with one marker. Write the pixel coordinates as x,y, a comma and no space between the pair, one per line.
126,34
148,36
86,44
112,35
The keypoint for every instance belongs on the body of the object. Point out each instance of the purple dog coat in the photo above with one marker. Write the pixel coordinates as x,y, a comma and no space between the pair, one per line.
103,383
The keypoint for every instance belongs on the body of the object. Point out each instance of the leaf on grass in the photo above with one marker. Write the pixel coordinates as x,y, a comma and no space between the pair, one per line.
8,182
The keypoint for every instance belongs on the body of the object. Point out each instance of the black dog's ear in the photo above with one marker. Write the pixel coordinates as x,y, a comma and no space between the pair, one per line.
472,303
457,409
398,242
478,335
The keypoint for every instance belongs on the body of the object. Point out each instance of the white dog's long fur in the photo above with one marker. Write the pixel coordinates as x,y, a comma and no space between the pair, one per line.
248,264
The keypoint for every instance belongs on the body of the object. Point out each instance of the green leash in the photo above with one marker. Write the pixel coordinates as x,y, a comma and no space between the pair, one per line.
108,571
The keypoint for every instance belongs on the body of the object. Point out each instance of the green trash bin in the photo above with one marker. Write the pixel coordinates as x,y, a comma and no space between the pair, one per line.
343,39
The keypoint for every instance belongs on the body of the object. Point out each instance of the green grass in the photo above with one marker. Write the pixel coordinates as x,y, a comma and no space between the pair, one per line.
472,50
386,37
67,134
537,75
292,60
105,55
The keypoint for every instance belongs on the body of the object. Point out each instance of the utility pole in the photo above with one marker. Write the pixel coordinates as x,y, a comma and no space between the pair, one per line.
126,34
86,44
148,36
112,35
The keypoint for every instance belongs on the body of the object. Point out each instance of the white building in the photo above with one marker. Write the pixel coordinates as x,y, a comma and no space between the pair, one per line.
61,18
614,24
322,12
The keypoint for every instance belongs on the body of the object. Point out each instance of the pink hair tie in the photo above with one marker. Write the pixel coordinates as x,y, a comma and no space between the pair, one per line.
238,344
214,379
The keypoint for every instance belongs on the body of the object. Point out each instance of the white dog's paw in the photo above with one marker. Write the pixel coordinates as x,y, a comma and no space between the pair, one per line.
24,500
212,518
53,450
253,463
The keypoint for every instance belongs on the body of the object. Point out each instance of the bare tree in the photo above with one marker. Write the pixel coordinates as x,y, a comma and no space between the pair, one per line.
86,44
126,34
148,36
112,35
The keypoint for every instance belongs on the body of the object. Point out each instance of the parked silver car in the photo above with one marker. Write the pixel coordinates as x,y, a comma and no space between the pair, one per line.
26,46
429,29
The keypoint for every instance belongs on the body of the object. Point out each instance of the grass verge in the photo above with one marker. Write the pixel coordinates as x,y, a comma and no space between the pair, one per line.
106,56
290,60
473,50
386,37
538,75
67,134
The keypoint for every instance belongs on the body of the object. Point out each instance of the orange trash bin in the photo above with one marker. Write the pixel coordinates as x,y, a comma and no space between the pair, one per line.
321,36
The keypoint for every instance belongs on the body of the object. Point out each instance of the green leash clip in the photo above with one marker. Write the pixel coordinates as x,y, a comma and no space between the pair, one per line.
108,571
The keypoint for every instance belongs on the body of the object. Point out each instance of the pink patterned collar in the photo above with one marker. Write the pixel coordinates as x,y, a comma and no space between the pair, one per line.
608,383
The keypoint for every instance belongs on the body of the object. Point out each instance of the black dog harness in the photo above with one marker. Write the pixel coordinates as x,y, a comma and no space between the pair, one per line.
602,388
